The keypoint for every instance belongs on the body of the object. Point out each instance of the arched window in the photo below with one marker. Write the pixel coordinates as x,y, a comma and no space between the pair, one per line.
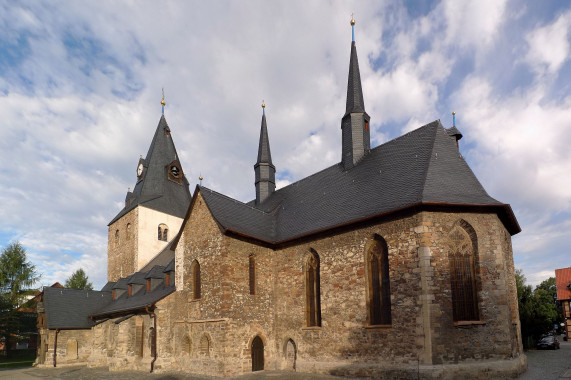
205,345
162,232
379,282
116,238
128,232
462,250
312,289
195,269
252,274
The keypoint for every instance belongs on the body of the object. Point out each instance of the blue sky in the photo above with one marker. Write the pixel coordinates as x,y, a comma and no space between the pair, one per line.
80,86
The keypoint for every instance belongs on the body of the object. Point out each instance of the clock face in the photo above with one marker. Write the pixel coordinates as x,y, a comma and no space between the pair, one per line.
174,171
139,170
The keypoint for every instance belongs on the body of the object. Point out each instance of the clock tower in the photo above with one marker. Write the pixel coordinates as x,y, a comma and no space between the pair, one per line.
153,211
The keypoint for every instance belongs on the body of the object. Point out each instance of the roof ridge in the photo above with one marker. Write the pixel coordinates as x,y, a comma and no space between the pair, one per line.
427,166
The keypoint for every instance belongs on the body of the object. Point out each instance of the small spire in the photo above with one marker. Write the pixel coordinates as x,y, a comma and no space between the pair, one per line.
200,179
263,107
163,104
453,118
353,26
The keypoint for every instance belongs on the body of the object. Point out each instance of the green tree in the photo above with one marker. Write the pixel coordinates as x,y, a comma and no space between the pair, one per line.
537,308
17,276
78,280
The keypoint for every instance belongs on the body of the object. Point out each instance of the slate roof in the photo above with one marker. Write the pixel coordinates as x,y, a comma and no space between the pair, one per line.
163,258
71,308
264,154
139,301
155,190
421,167
108,286
355,102
156,272
170,267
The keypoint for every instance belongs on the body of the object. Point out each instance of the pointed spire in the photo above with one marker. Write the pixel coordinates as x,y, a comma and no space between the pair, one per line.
355,101
264,169
264,155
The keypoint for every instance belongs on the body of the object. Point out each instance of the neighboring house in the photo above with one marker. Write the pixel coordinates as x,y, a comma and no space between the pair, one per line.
563,280
394,262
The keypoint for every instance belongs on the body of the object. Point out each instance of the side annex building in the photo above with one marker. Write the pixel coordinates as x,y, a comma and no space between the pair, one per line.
392,263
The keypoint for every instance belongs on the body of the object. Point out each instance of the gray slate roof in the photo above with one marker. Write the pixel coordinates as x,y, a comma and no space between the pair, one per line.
138,301
155,190
421,167
264,154
71,308
355,101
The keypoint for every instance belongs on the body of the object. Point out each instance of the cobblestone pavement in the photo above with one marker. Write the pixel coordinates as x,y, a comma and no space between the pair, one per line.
549,364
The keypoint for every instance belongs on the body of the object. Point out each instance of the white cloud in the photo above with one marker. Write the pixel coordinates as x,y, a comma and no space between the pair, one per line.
549,45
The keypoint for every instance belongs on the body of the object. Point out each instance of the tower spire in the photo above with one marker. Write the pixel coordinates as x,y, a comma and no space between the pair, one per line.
264,169
355,123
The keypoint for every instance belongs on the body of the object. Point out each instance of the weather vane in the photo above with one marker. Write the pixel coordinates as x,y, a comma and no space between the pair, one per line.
163,102
263,107
353,26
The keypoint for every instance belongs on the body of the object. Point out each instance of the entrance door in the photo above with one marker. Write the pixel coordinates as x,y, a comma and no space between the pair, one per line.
257,354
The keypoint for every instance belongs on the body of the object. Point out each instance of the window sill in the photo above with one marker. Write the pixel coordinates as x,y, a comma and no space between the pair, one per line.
378,327
312,328
469,323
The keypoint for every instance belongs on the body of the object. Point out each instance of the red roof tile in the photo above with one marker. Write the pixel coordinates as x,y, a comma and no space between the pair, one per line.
563,278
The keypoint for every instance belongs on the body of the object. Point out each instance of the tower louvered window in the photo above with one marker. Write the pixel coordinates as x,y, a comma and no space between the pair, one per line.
462,245
379,283
195,280
252,274
313,292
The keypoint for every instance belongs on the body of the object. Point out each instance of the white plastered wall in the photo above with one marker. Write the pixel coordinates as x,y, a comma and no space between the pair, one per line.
148,244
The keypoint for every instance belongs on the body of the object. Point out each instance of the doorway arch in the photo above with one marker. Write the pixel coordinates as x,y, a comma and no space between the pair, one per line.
257,354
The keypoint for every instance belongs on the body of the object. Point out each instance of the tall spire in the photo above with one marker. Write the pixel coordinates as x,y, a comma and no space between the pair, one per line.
264,169
355,123
354,90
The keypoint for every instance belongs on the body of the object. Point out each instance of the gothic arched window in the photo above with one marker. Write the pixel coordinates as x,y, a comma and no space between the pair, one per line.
462,251
379,282
116,238
162,232
195,270
312,289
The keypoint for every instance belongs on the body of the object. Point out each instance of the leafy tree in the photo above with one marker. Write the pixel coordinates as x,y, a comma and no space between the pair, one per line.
537,308
17,276
78,280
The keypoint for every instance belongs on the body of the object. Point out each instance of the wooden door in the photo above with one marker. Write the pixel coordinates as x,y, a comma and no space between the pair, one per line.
257,354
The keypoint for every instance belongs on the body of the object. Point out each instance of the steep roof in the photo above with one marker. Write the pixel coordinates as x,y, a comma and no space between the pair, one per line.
421,167
71,308
136,302
154,190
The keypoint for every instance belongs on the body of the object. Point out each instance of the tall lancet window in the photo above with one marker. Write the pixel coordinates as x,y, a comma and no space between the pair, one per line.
312,289
379,282
462,251
195,270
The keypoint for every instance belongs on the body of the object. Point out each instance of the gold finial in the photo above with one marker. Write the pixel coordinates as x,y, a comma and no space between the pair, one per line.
453,113
263,104
352,19
163,99
200,178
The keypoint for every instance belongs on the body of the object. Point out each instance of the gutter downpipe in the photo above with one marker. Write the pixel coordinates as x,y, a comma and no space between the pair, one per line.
55,348
153,337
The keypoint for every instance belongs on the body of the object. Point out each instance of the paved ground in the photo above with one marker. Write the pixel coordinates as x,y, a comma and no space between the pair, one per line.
549,364
542,365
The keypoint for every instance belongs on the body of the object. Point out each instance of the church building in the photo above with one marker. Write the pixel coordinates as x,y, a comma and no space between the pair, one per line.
392,263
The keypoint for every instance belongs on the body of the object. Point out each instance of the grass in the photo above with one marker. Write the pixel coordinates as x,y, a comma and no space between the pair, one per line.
21,363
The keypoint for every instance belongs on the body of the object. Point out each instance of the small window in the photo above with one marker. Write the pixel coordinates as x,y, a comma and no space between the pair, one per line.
148,285
130,290
128,234
113,295
162,232
116,238
367,125
195,280
252,272
186,345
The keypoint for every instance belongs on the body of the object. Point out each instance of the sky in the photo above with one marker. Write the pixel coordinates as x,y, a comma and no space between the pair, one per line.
81,82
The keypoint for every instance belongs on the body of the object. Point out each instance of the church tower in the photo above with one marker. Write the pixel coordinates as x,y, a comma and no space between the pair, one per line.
153,211
356,141
265,170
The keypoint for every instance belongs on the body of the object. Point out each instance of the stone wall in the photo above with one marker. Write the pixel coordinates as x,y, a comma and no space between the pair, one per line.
121,252
73,347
